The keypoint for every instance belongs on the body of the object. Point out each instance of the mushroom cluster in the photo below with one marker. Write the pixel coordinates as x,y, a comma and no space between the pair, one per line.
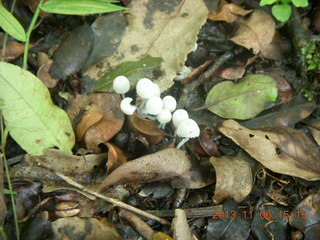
156,108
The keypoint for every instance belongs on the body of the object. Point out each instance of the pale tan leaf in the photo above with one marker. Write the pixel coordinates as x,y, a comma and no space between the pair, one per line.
256,32
281,149
234,178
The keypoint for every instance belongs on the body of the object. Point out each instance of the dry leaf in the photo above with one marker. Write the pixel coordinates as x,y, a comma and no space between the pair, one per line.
280,149
228,12
109,125
90,117
234,178
154,29
256,32
84,228
116,157
181,230
278,48
146,128
315,131
76,106
13,50
44,75
164,164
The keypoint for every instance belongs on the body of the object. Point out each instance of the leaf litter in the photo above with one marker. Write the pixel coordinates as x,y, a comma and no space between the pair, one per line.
131,161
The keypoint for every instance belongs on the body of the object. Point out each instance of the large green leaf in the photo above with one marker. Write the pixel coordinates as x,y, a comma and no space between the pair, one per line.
33,121
11,25
242,100
79,7
145,68
281,12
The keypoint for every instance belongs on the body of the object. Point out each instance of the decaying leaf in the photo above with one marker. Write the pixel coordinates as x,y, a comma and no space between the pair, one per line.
315,130
164,164
32,119
181,230
234,100
44,75
234,178
228,12
81,168
288,115
281,149
76,106
306,216
278,48
150,32
84,228
109,125
146,127
256,32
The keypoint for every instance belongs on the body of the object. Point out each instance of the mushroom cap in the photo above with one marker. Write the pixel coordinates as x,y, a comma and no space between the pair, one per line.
178,116
121,84
164,116
154,105
169,103
156,90
145,88
188,129
126,106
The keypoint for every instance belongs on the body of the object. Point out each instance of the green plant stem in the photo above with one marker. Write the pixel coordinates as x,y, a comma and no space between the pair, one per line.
4,135
4,46
3,234
32,24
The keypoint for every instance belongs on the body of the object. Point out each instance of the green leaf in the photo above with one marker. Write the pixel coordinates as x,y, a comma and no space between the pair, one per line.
300,3
79,7
7,191
132,70
267,2
11,25
33,121
243,100
281,12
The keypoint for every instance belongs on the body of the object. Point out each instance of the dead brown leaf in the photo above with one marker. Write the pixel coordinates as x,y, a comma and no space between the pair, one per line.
13,50
109,125
315,131
44,75
116,157
76,106
256,32
234,178
280,149
90,117
164,164
146,128
278,48
228,12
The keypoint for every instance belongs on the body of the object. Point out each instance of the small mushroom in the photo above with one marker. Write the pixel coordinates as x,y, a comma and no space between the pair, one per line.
187,129
156,90
178,116
145,88
121,85
126,106
154,105
169,103
164,117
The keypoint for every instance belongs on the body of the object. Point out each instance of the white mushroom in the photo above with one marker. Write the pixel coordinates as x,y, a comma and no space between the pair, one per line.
126,106
154,105
164,117
178,116
187,129
145,88
121,85
156,90
169,103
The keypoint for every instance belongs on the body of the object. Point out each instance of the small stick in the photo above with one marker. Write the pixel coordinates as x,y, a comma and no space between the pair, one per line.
112,200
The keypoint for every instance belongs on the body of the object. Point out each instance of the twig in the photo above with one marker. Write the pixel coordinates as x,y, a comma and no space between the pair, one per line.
112,200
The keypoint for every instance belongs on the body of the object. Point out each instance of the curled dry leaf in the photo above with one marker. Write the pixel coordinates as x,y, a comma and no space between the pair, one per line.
13,50
116,157
285,89
206,140
90,117
44,75
281,149
228,12
146,128
234,178
109,125
164,164
256,32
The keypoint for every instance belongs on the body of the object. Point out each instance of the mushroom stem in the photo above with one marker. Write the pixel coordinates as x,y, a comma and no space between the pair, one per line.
183,141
